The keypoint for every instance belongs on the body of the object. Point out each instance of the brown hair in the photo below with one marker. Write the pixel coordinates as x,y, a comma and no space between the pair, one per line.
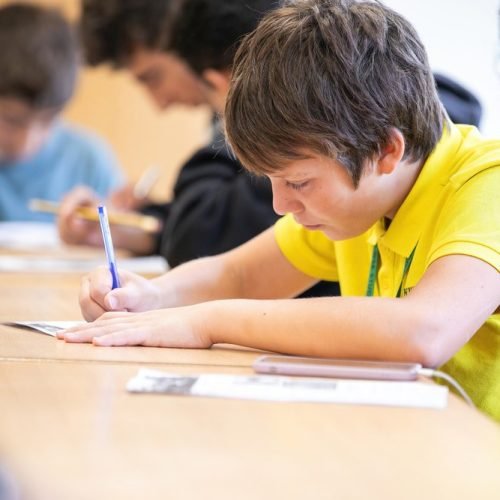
112,30
206,33
332,77
39,56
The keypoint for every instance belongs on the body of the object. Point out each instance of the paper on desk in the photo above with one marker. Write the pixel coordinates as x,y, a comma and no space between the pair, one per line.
292,389
28,235
153,264
48,327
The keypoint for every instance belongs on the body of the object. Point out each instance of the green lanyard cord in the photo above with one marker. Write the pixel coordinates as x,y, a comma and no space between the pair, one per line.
372,277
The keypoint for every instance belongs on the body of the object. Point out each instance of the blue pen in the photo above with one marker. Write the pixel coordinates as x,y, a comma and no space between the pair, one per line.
108,245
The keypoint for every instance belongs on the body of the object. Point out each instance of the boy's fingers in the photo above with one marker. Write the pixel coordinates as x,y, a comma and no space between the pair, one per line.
122,299
81,336
79,197
109,322
99,285
86,333
100,281
122,338
91,309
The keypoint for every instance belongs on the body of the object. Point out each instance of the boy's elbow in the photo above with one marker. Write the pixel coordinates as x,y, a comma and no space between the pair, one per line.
430,344
430,356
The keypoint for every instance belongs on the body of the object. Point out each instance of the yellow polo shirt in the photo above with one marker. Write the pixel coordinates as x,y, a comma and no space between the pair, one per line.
453,208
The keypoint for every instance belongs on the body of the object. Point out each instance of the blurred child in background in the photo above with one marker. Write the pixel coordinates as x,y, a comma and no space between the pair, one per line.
41,156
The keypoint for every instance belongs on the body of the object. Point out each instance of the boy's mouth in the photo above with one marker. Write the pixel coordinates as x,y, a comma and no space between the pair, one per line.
311,227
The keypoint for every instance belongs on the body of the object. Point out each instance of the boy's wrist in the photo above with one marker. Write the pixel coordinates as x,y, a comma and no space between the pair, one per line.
210,323
165,293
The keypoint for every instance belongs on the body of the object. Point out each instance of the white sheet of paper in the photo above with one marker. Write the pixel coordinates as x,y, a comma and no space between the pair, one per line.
293,389
153,264
28,235
48,327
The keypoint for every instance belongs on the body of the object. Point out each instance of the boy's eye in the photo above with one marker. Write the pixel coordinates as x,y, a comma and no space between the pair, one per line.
151,77
14,123
297,186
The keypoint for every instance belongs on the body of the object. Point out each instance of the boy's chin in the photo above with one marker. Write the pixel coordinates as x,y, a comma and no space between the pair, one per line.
335,234
330,233
8,159
4,160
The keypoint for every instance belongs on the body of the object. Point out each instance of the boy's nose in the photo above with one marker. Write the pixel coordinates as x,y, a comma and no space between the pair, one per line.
283,202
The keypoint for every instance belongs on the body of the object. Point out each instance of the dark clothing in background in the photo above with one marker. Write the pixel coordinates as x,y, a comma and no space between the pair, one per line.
461,104
216,207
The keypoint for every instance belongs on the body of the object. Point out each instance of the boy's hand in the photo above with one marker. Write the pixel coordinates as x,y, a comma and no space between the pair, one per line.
136,294
125,199
180,327
73,229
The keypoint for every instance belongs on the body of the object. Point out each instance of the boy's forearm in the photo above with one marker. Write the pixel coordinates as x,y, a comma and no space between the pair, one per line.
256,269
352,327
136,241
197,281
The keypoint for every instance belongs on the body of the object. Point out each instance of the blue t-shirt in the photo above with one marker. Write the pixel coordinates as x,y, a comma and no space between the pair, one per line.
70,157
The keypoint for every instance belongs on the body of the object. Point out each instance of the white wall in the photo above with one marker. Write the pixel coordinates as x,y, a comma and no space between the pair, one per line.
462,40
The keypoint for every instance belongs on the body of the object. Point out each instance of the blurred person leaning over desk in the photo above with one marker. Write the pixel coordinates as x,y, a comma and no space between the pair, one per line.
40,156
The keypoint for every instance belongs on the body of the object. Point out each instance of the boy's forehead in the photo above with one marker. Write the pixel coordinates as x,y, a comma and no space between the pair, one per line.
142,60
14,105
306,161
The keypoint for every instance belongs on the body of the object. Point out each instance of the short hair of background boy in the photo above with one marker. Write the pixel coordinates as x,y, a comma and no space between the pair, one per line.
111,30
39,56
206,33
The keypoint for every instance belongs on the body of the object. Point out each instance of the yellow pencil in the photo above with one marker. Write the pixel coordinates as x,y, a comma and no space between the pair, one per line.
147,223
147,181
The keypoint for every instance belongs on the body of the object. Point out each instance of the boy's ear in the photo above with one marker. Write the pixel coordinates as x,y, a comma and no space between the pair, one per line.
392,153
218,80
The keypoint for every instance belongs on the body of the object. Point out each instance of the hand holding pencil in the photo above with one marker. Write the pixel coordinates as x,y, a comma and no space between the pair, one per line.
78,223
130,219
135,196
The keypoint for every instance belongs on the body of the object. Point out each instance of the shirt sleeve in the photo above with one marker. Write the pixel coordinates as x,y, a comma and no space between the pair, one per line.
470,222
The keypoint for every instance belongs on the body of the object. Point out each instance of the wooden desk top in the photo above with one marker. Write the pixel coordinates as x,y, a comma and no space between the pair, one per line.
31,297
20,344
28,297
71,431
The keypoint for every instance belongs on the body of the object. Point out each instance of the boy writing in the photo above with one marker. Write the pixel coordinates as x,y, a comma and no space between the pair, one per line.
39,156
334,101
216,205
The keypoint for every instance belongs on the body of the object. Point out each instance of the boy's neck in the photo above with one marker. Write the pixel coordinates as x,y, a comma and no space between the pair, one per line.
407,175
